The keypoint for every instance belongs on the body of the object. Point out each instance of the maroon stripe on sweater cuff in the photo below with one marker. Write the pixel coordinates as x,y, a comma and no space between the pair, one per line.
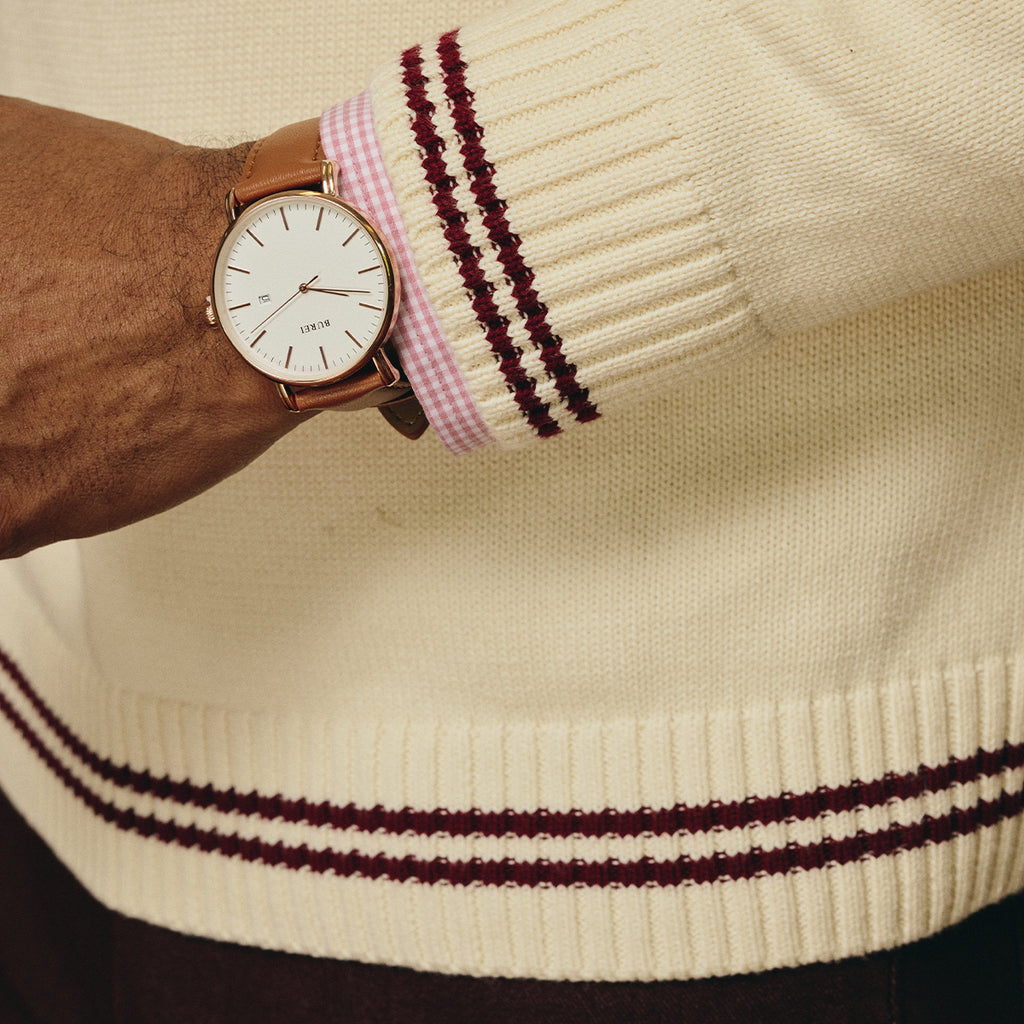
533,311
468,258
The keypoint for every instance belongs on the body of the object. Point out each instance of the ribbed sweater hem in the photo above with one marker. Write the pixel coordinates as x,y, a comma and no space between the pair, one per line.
626,849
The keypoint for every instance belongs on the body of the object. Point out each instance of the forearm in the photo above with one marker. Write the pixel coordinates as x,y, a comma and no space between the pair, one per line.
592,219
118,400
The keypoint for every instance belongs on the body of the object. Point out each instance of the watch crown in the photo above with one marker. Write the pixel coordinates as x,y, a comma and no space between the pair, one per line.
211,316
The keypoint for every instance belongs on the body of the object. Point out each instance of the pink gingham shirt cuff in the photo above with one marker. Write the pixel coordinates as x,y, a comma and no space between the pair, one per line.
349,139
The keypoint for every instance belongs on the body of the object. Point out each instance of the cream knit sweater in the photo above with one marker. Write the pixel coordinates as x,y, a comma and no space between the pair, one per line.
724,677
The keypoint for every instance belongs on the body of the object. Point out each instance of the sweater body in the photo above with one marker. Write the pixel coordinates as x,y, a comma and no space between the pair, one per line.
710,665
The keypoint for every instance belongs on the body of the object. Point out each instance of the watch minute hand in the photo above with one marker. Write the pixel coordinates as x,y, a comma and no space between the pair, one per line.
339,291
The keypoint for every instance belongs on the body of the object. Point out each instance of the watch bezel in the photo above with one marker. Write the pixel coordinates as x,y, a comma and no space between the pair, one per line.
239,224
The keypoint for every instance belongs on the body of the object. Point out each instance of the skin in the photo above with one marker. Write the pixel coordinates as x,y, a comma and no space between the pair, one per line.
117,399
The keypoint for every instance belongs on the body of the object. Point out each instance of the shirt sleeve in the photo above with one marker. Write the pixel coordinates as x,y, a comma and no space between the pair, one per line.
349,140
603,198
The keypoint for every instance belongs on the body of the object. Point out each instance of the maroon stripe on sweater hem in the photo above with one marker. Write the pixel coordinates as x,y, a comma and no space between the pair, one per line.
467,257
507,244
715,816
645,872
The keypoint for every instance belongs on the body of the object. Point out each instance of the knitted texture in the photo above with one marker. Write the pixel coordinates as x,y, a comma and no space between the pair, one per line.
724,678
600,878
566,158
611,209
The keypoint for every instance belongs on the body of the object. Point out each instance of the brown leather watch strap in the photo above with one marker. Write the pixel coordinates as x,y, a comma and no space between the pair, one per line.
293,158
406,415
404,412
378,384
289,158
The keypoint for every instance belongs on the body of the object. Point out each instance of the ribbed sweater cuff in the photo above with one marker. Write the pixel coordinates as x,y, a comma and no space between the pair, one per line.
570,261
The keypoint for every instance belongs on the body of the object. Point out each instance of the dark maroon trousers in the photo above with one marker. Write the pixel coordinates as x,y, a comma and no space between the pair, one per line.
65,959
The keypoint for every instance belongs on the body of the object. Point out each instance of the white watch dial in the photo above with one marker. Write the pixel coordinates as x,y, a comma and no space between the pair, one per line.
304,287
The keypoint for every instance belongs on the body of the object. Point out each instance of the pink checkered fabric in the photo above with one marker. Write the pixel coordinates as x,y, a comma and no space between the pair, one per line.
349,139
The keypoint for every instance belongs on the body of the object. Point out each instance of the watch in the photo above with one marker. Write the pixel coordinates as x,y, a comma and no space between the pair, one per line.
306,288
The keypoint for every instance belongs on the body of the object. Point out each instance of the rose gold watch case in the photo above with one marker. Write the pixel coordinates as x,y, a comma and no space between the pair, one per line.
239,217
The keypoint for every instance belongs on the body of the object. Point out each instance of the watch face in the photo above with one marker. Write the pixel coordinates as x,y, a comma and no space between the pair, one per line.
304,287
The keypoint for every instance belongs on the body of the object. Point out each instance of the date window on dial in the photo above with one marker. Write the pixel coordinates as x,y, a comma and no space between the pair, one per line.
264,300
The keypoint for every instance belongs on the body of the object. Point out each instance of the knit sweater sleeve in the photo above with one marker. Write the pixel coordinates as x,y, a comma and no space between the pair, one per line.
606,197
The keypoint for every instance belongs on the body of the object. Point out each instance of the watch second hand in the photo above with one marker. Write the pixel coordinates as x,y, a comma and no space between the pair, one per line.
302,288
